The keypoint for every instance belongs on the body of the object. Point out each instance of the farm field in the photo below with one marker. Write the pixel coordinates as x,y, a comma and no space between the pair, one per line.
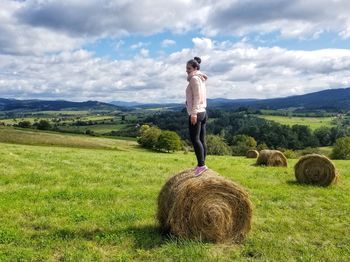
312,122
33,137
64,203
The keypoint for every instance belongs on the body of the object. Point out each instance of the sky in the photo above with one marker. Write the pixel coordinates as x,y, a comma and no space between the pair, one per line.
124,50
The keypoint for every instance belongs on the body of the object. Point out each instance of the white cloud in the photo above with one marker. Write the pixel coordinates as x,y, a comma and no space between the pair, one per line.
139,45
42,56
234,70
42,26
168,42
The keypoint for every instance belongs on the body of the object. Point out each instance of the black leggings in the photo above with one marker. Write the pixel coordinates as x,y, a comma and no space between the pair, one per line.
197,135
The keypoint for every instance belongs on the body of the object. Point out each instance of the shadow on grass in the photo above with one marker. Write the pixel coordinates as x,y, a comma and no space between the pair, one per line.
294,183
147,237
144,237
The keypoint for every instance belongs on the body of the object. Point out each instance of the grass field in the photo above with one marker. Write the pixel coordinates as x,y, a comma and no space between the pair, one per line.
312,122
33,137
85,204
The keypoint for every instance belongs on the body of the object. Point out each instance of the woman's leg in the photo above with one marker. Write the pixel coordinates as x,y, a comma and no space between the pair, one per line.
195,132
202,135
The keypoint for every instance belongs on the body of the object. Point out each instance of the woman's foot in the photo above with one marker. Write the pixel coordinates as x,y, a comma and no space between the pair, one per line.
199,170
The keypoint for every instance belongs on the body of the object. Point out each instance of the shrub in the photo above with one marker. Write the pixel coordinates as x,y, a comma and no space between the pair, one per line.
241,144
24,124
289,153
43,125
149,137
217,146
341,149
168,141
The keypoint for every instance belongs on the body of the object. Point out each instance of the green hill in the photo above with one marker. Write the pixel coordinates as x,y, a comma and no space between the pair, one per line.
86,204
33,137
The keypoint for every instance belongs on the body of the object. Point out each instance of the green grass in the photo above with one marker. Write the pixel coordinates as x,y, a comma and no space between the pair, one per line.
99,129
312,122
80,204
34,137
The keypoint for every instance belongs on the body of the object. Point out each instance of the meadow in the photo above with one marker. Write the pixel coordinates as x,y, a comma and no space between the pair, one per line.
312,122
61,202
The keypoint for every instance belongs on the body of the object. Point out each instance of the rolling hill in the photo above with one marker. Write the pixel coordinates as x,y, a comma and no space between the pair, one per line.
14,104
329,100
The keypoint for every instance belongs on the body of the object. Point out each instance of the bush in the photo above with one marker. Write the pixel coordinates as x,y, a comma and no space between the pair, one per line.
43,125
241,144
168,141
261,146
90,132
24,124
341,149
289,153
149,137
217,146
310,150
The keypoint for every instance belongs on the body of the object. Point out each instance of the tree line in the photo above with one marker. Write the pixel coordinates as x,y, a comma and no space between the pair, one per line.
227,125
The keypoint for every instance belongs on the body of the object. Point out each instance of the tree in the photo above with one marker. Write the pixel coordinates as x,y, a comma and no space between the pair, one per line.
24,124
217,146
324,135
168,141
242,143
43,125
305,136
149,137
143,129
341,149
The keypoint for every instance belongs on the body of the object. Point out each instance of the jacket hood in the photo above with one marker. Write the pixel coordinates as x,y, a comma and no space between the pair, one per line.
198,73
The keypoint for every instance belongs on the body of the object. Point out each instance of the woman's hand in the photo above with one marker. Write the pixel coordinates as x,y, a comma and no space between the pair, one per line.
193,119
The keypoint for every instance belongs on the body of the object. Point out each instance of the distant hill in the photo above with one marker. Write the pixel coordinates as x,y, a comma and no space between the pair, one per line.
329,100
41,105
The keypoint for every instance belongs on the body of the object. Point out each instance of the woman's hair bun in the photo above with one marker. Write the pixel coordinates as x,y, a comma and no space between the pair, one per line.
197,59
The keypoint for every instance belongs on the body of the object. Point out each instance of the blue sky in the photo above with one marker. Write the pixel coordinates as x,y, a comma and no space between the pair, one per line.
137,50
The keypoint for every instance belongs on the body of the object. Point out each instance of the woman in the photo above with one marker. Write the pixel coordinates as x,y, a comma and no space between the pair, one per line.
196,103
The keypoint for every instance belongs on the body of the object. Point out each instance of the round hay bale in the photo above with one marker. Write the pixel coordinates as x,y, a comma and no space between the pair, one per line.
208,208
271,158
252,154
315,169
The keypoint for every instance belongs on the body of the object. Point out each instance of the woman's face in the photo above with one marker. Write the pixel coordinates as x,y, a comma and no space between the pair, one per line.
189,69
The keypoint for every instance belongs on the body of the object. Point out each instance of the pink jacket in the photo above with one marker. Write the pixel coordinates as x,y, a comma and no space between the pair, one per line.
196,95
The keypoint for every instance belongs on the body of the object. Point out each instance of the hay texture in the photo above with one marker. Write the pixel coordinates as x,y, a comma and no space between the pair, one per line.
271,158
207,208
315,169
252,154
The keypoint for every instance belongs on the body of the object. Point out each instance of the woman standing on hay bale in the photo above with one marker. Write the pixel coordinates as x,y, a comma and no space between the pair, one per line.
196,103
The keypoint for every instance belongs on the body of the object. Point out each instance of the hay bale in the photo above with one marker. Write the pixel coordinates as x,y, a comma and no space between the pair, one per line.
271,158
252,154
315,169
208,208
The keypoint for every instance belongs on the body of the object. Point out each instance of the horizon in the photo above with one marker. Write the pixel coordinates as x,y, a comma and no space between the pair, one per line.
119,51
129,102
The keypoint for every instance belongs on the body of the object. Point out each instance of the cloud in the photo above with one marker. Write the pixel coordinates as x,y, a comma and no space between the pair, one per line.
302,19
168,42
44,26
235,70
139,45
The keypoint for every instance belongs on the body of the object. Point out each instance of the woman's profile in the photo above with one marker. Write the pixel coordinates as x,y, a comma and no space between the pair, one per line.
196,103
